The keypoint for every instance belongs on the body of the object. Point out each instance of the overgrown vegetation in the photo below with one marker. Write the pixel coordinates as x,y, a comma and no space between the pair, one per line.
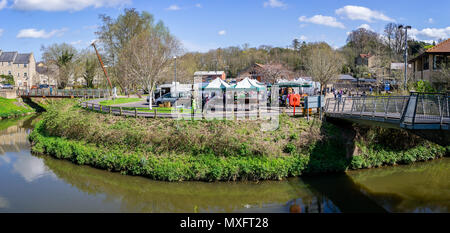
166,149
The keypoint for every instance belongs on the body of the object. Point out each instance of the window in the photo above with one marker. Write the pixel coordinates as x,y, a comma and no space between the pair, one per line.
438,61
9,72
18,74
426,62
25,65
9,63
25,74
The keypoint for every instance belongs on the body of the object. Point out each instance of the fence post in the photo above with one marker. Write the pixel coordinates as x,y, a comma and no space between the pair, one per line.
441,113
135,112
374,105
93,107
110,110
120,108
362,106
386,108
155,113
101,108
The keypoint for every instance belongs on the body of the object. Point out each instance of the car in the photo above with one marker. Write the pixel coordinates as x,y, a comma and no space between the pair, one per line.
8,86
43,86
169,97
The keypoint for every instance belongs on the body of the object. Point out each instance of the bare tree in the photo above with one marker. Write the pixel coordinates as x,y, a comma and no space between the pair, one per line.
147,56
272,72
323,64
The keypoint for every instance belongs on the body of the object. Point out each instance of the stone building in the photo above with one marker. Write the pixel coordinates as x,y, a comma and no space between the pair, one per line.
431,61
22,66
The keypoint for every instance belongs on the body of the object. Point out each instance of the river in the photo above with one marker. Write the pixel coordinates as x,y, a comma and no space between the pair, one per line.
30,183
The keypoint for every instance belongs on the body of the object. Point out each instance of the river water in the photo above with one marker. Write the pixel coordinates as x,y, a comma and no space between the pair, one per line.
31,183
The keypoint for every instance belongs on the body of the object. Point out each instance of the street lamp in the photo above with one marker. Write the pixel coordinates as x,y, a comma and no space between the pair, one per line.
400,27
175,65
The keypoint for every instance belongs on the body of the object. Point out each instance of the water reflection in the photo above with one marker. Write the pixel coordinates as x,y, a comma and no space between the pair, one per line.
15,149
42,184
421,187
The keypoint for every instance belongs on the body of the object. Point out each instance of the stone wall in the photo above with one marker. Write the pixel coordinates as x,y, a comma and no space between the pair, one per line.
8,94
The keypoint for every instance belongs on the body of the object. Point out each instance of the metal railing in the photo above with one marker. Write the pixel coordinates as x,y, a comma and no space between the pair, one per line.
427,108
418,108
91,93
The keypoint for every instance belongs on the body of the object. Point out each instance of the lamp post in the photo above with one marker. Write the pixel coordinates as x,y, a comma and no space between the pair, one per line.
175,65
406,52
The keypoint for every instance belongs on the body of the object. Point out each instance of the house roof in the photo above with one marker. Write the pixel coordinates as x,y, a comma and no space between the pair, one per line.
443,47
346,77
8,56
203,73
22,58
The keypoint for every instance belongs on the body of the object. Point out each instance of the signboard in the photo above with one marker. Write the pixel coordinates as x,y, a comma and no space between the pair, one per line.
314,101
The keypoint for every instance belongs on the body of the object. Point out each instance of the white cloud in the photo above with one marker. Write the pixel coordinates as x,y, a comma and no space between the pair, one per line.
173,8
1,32
198,5
431,33
322,20
362,13
76,42
366,26
3,4
34,33
65,5
430,20
222,33
302,37
275,4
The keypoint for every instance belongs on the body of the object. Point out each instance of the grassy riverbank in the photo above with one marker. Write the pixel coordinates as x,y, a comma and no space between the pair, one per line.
120,101
13,108
166,149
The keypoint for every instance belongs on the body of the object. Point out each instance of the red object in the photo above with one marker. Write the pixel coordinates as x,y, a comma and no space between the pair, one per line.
294,100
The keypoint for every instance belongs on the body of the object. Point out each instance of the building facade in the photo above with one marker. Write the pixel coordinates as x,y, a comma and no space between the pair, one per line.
208,76
22,66
425,64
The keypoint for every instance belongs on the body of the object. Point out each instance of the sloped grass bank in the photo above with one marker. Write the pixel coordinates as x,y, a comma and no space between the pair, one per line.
12,108
171,150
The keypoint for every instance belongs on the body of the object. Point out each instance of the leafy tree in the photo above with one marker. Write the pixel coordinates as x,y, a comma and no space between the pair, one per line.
63,57
115,34
7,79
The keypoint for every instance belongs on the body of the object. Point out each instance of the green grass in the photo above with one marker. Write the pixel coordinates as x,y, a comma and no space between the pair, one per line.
172,150
10,108
120,101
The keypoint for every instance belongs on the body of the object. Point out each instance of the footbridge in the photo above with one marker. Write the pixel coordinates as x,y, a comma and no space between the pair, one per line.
63,93
419,111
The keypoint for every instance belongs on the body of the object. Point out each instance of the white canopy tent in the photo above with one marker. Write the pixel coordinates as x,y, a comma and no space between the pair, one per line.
217,83
247,83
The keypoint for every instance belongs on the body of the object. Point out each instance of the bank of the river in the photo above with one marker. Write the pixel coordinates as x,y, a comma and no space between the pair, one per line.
13,108
165,149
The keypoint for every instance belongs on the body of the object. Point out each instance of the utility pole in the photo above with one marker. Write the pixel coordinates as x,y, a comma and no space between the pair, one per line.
406,53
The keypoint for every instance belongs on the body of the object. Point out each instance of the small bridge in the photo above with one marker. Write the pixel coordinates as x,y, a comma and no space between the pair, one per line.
419,111
63,93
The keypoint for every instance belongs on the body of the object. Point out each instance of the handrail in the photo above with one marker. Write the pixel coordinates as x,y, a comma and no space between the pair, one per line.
415,109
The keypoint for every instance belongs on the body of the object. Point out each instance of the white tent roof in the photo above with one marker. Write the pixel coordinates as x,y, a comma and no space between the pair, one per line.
248,83
217,83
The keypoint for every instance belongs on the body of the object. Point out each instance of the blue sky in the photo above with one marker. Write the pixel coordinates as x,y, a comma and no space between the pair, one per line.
201,25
